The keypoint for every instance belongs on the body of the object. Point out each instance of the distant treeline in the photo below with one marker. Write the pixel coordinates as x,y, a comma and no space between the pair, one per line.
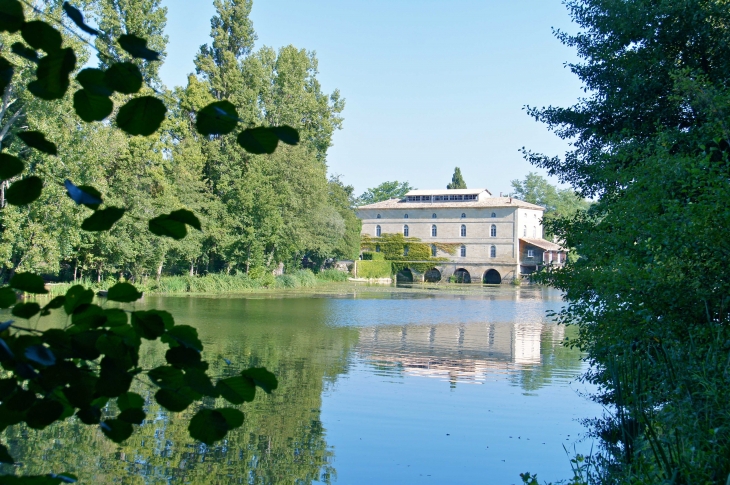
257,211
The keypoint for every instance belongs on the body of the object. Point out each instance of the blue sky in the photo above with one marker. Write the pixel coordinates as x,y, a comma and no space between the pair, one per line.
429,85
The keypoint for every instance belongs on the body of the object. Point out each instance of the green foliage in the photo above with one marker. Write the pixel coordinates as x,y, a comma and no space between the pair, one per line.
405,252
457,181
384,191
373,256
374,269
558,203
649,292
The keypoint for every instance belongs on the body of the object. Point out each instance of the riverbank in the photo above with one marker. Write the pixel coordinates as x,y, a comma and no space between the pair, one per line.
328,282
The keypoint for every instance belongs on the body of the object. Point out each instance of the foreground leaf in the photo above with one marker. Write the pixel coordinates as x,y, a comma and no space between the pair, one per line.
137,47
40,355
262,378
8,297
28,282
87,196
52,73
11,16
141,116
148,325
41,36
24,191
129,400
132,415
217,118
43,413
91,107
6,74
10,166
236,390
233,417
208,426
37,140
77,17
174,224
26,310
123,292
173,400
184,335
116,430
123,77
287,134
102,220
22,50
76,296
258,140
92,80
5,456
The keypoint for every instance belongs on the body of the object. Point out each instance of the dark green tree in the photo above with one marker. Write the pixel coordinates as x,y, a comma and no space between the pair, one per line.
649,292
384,191
457,181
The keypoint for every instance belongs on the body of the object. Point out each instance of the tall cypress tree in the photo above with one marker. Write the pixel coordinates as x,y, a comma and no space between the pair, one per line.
457,181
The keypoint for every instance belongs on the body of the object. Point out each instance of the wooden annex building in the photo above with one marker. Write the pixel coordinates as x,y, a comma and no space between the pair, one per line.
497,238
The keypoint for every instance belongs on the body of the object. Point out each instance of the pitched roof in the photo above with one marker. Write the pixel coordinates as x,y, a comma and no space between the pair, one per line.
485,202
447,191
543,244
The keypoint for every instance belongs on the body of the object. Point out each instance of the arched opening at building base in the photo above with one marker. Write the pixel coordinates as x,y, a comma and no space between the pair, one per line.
404,276
492,277
432,276
462,276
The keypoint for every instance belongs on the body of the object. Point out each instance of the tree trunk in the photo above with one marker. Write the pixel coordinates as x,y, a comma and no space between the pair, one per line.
159,271
76,268
192,266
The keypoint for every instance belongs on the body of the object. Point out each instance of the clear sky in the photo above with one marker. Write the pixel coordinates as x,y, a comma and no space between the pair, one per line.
429,85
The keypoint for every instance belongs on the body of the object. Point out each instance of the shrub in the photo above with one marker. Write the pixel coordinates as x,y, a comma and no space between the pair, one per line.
332,275
374,269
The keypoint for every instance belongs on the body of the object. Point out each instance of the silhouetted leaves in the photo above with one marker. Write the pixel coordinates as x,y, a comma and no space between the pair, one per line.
26,310
262,378
129,400
22,50
40,35
4,326
10,166
6,74
116,430
148,325
43,413
5,352
184,335
102,220
40,355
182,357
233,417
88,196
52,73
208,426
37,140
24,191
236,390
141,116
198,380
78,18
264,140
91,107
166,377
123,292
5,455
137,47
56,302
89,415
8,297
28,282
132,415
114,380
174,400
11,16
174,224
258,140
75,296
93,80
217,118
123,77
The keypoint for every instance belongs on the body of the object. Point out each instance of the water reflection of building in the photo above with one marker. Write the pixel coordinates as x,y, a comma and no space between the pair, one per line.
464,352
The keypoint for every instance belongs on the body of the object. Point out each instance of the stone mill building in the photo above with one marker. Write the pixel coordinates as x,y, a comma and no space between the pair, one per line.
497,238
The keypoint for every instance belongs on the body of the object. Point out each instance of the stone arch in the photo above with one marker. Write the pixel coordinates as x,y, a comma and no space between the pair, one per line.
404,275
492,277
462,276
432,276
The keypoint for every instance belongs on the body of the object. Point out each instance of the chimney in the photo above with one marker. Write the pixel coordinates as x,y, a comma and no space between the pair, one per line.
510,200
500,194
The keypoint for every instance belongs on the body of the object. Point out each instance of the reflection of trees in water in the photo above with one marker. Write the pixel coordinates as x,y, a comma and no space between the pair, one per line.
282,439
530,354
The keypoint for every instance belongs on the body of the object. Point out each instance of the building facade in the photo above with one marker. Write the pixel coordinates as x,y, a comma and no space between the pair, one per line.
497,238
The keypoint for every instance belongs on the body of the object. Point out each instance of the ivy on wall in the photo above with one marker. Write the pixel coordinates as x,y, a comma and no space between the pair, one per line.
406,252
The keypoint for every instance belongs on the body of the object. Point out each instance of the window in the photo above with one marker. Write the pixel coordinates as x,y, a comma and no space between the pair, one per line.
433,231
377,248
433,216
494,214
463,215
405,250
534,232
463,230
524,231
493,252
530,253
378,216
405,216
493,230
405,230
433,250
377,231
463,251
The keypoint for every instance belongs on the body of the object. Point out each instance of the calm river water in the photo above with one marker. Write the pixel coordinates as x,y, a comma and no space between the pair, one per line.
386,387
